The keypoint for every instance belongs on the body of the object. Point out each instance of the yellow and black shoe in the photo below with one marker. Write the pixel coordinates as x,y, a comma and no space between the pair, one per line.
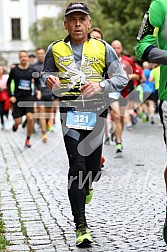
119,150
83,237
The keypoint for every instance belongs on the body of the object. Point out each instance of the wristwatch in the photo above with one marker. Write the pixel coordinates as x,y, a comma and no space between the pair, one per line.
102,85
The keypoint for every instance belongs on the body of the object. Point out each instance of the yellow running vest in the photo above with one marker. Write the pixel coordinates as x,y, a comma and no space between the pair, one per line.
92,69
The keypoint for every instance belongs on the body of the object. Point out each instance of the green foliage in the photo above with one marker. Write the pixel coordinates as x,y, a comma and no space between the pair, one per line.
45,31
126,17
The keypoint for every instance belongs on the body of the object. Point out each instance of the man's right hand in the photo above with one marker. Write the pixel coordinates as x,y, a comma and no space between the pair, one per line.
53,82
13,99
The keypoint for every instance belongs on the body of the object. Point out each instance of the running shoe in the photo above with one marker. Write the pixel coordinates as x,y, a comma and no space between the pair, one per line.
152,120
119,152
119,148
24,123
107,141
89,195
44,138
133,119
102,160
140,115
164,231
145,118
15,127
83,237
27,144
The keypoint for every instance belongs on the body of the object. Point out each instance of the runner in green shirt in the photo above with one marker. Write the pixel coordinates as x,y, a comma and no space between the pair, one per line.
153,32
155,76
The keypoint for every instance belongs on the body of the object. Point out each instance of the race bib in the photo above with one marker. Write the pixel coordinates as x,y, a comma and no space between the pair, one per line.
24,84
81,120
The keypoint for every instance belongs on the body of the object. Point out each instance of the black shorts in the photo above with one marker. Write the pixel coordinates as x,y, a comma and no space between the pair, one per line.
147,97
46,100
155,96
19,111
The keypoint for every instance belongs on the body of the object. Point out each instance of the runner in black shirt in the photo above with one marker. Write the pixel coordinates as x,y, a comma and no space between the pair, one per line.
22,77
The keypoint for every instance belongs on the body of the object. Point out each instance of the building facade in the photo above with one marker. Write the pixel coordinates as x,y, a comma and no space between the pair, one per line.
16,17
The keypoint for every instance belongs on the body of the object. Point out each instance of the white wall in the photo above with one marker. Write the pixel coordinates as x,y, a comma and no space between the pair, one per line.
28,12
45,10
15,9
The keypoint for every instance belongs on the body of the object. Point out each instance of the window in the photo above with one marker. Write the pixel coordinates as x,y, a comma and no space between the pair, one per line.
16,31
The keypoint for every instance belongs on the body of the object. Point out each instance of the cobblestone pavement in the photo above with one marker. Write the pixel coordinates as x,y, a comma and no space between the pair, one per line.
125,214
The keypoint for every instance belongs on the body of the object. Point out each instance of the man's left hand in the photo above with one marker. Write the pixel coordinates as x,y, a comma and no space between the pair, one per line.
90,88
